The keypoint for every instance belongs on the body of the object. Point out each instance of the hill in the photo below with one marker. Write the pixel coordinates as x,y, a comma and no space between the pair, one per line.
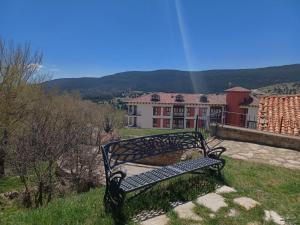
210,81
282,89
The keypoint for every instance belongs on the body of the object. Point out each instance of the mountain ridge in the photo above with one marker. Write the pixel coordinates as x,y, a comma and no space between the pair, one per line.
170,80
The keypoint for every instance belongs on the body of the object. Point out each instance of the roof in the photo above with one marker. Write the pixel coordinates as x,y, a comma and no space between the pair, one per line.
280,114
169,98
238,89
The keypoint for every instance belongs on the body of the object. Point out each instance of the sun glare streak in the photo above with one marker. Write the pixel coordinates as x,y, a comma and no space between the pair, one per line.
185,43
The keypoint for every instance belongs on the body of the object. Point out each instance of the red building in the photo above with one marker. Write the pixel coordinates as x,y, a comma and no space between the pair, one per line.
235,97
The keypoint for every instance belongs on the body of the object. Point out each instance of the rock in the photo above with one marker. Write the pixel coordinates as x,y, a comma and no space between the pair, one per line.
185,211
225,189
247,203
271,215
233,213
158,220
212,201
253,223
239,157
211,215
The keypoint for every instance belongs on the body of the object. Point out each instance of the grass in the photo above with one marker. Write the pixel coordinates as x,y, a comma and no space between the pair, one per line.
137,132
77,209
274,187
10,183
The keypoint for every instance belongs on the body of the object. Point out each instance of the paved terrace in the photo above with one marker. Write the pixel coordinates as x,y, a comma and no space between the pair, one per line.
259,153
244,151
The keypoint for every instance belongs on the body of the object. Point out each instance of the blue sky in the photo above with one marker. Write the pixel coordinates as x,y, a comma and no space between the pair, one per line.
95,38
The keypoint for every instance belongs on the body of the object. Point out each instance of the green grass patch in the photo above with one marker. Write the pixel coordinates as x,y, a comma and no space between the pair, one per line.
274,187
10,183
160,196
78,209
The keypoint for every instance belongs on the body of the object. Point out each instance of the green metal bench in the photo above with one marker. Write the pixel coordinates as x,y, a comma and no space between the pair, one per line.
132,150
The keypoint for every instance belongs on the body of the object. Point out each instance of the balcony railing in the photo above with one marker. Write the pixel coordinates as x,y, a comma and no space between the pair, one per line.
134,113
178,114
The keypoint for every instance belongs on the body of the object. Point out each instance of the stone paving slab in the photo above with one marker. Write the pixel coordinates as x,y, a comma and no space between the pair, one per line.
247,203
225,189
159,220
254,223
185,211
271,215
259,153
212,201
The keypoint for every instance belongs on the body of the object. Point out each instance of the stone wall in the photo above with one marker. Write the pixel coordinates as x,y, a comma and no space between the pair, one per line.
255,136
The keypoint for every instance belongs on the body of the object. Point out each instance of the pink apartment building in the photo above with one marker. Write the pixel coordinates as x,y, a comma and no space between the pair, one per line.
178,111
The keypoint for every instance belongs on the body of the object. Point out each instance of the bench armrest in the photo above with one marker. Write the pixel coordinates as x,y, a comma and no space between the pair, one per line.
216,152
116,178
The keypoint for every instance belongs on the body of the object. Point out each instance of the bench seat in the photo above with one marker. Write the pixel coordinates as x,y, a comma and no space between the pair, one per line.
148,178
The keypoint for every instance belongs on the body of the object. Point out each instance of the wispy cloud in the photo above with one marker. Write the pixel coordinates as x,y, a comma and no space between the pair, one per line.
35,66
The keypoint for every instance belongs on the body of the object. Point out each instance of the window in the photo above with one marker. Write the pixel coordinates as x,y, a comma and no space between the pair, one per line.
132,110
156,111
156,122
190,111
189,123
178,111
178,123
202,112
166,123
179,98
155,98
203,98
216,114
167,111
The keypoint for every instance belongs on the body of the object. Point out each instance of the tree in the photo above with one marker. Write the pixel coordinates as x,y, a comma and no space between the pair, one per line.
112,118
18,70
60,135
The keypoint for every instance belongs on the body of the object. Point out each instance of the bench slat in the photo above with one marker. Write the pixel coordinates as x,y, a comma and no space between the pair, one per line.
151,177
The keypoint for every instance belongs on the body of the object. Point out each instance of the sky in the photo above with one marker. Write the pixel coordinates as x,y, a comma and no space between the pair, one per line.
95,38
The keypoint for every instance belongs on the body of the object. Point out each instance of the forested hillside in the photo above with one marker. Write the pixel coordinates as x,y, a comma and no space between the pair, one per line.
211,81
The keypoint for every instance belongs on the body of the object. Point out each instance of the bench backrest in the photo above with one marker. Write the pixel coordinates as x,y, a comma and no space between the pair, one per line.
131,150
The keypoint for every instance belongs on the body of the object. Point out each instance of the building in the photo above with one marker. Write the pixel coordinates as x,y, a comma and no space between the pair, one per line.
280,114
177,111
242,107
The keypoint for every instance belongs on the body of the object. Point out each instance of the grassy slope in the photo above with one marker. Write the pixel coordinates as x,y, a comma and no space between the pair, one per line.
276,188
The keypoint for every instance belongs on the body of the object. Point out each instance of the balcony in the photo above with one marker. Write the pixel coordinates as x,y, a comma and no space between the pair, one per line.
133,113
178,114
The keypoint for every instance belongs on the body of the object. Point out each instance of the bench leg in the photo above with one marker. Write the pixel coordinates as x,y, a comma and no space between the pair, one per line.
113,199
218,167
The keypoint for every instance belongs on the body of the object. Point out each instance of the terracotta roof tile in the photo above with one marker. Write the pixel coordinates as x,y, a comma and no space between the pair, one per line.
280,114
169,98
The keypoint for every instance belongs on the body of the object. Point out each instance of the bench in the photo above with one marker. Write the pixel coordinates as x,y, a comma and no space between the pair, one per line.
132,150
